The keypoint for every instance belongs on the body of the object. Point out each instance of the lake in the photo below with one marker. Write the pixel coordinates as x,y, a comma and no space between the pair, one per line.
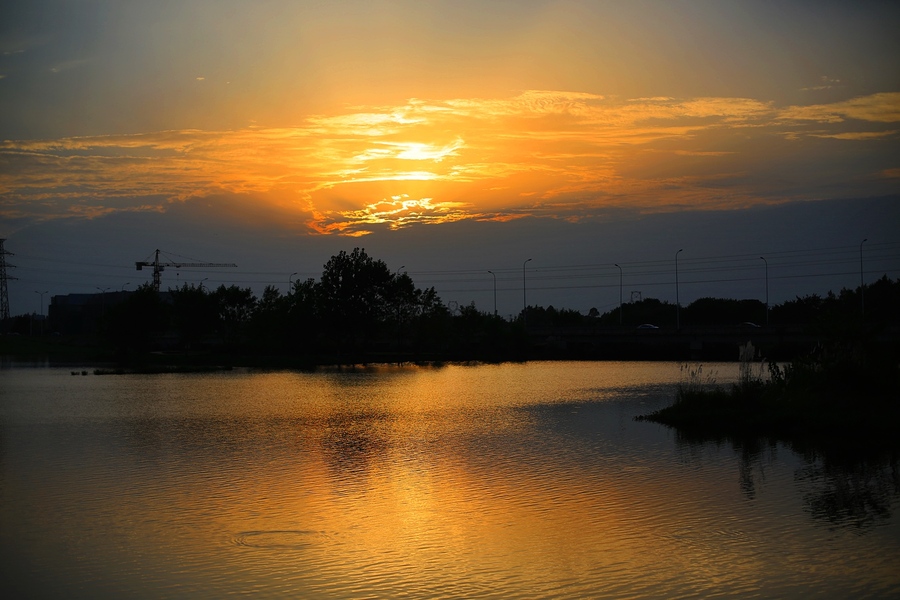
491,481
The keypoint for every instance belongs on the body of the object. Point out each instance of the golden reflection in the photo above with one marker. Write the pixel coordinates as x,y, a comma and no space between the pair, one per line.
508,477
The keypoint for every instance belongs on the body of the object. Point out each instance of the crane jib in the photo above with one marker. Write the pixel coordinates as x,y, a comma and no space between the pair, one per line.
159,267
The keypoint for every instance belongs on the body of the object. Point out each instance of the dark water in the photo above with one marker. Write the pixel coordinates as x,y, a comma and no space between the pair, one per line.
509,481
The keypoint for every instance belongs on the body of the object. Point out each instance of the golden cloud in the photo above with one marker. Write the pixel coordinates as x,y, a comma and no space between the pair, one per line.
547,153
878,108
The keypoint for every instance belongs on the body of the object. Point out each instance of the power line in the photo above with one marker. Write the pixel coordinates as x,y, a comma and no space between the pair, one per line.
644,271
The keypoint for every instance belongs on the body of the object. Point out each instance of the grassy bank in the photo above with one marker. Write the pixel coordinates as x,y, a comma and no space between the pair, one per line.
839,390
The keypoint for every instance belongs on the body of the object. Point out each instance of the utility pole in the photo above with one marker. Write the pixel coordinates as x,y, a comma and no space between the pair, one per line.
399,322
862,282
41,294
524,297
677,303
620,294
495,292
763,258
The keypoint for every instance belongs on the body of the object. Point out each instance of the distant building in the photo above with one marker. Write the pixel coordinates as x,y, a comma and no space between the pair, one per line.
80,314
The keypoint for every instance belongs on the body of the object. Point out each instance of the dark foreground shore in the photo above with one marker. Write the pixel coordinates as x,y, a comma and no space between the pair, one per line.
837,394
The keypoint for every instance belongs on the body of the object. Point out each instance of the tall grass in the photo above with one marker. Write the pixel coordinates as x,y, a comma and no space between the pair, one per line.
838,388
695,386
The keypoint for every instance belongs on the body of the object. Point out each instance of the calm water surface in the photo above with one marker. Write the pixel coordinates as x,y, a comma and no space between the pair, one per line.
510,481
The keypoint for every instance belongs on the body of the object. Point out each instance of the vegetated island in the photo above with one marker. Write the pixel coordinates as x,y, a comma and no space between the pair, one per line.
846,391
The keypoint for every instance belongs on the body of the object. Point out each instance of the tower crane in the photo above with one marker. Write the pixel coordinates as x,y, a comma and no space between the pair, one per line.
159,267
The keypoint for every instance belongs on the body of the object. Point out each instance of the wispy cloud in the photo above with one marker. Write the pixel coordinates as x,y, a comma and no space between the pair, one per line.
857,135
544,153
877,108
68,65
825,83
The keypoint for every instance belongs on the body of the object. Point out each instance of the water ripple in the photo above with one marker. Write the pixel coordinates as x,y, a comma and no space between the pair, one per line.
296,539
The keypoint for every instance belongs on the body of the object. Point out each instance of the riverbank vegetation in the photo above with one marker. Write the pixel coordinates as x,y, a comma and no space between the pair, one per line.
360,311
846,388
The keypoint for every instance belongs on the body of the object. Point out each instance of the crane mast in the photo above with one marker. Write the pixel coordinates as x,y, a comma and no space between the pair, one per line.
160,266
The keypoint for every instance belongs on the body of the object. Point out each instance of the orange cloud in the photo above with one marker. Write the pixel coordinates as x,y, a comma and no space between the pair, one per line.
877,108
547,153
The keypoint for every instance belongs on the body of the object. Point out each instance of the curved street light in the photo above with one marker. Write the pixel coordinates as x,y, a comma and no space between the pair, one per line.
399,322
762,258
620,294
677,302
862,289
290,283
103,300
524,296
42,308
495,291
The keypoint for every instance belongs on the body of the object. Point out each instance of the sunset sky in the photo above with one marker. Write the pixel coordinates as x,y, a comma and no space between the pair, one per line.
452,138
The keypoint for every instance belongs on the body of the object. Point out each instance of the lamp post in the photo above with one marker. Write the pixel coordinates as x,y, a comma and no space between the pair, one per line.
495,292
102,301
201,283
524,296
399,326
677,302
620,294
862,290
42,308
762,258
290,283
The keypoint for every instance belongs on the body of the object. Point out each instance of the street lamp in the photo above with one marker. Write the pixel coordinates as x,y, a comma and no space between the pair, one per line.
42,308
620,294
862,290
399,323
495,292
524,296
201,283
677,302
290,284
103,300
767,289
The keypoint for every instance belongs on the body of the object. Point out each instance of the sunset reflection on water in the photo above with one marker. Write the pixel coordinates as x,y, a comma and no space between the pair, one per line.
512,481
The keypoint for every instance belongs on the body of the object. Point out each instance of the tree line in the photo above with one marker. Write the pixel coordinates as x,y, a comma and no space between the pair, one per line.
360,309
877,303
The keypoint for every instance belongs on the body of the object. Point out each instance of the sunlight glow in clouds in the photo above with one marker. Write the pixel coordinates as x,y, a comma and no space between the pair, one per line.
566,155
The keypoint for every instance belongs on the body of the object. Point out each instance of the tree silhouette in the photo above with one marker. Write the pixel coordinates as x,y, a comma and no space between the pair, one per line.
268,323
132,324
356,294
719,312
236,307
194,314
302,319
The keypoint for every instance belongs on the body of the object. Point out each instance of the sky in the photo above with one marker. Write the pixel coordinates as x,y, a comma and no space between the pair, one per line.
751,146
